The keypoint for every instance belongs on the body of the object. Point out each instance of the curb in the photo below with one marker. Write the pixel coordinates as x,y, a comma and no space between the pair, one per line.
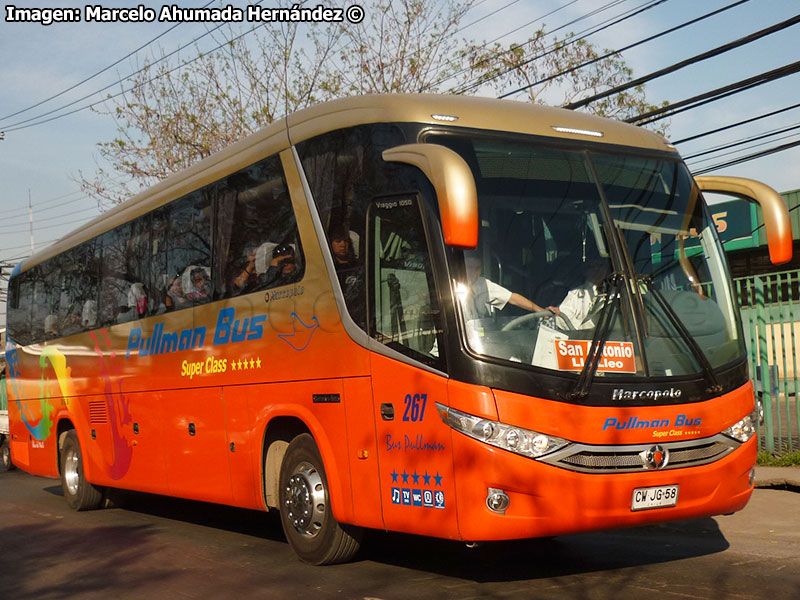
782,478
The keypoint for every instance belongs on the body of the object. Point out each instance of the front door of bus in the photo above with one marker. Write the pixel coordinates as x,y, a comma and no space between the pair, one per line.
414,449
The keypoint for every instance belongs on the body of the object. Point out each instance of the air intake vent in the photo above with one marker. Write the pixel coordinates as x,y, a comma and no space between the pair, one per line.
98,412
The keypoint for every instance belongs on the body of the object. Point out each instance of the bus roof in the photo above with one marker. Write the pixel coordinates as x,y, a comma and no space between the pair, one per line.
456,111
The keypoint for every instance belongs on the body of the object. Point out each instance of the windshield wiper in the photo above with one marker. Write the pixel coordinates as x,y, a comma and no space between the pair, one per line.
708,371
613,285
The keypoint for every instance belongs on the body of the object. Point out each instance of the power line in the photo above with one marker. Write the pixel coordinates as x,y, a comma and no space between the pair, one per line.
742,142
748,158
479,81
100,72
739,151
624,49
5,231
713,95
732,125
22,124
516,29
689,61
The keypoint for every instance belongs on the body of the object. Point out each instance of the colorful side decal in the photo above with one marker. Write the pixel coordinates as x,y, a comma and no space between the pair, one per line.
119,416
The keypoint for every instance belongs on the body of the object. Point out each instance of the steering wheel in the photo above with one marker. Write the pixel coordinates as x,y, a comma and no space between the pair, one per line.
542,314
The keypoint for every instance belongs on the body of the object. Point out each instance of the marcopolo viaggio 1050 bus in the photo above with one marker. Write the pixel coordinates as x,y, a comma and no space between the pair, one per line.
455,317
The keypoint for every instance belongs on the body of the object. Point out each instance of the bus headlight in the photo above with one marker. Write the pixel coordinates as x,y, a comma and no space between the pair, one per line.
514,439
744,429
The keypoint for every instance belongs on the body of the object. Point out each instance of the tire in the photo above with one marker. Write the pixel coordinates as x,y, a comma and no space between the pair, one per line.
79,493
5,455
306,515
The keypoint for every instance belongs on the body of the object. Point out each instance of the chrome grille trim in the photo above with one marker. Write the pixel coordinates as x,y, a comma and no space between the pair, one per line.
587,458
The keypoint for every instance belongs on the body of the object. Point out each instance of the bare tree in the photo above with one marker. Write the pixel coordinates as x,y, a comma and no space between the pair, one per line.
170,116
557,72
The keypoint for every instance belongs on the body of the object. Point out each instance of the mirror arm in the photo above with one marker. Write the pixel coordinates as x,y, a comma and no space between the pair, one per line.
777,222
455,188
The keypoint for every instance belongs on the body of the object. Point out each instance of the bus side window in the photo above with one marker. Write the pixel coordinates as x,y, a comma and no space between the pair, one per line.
20,309
404,306
255,219
189,244
114,286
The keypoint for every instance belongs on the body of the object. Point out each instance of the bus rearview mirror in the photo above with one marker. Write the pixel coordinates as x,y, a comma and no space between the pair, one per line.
455,188
777,223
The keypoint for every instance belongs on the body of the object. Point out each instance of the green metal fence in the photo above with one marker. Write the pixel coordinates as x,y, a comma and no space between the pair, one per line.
771,317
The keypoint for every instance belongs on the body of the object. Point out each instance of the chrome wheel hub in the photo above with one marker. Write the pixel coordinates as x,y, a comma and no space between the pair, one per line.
72,473
305,500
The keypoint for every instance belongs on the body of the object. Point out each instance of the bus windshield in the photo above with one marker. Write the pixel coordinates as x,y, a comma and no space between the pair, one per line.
572,239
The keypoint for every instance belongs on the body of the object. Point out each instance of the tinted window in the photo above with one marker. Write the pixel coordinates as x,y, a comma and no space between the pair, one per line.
404,308
257,236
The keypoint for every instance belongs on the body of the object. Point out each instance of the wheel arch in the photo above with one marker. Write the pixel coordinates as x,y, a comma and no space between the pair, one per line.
281,429
64,425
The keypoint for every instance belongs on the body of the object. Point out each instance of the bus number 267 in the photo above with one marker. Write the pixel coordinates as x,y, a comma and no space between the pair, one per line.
415,407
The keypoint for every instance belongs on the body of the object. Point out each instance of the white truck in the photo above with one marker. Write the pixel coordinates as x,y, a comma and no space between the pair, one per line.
5,450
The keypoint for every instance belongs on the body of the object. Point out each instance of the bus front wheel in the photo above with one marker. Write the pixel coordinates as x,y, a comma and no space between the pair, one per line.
306,516
5,455
80,494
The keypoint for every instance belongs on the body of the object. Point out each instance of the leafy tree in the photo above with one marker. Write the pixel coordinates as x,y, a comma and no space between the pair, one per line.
169,116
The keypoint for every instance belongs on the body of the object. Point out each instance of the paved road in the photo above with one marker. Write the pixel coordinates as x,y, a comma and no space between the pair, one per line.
153,547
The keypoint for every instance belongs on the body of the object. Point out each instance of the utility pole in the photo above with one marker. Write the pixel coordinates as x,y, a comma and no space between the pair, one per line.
30,219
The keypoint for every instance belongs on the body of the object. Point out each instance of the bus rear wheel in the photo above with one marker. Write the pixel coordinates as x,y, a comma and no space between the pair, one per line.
79,493
5,456
306,516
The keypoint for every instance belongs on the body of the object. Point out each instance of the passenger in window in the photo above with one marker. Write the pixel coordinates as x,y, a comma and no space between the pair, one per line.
485,295
175,298
199,290
137,301
51,326
89,314
350,274
282,270
342,248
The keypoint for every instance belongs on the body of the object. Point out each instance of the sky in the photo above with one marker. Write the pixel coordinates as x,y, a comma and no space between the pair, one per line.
39,164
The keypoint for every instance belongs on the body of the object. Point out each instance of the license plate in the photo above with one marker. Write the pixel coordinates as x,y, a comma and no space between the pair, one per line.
654,497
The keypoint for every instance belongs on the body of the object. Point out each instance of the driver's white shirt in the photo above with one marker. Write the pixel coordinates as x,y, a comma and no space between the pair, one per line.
577,305
488,295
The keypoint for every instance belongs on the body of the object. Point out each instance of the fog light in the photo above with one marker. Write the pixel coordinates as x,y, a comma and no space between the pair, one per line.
752,476
497,501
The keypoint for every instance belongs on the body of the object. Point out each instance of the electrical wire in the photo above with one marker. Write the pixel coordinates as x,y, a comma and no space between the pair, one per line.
500,37
479,81
742,142
713,95
27,122
625,48
100,72
737,124
748,158
689,61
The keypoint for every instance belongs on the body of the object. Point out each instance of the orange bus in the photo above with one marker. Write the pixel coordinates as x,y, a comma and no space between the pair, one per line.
455,317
